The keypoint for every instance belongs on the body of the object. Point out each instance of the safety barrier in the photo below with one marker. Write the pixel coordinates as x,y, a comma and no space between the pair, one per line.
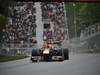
16,49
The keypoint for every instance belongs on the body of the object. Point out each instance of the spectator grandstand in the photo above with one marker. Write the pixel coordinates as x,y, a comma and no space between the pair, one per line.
53,12
22,26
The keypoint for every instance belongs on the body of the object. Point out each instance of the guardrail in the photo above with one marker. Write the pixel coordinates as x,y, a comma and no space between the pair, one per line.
16,49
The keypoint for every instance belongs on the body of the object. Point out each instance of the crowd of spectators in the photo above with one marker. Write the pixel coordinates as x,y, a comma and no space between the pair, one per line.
22,24
54,12
22,21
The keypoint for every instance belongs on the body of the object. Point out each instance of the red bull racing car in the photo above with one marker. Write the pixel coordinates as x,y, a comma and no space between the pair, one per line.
49,54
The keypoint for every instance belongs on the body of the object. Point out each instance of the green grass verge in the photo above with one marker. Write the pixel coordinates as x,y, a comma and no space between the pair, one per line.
11,58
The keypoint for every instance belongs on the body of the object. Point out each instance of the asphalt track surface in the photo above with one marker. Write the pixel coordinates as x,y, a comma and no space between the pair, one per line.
78,64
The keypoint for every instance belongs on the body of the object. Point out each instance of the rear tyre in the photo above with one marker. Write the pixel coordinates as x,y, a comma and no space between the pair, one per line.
66,53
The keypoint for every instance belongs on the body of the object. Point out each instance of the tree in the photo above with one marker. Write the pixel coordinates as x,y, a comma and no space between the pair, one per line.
4,12
85,14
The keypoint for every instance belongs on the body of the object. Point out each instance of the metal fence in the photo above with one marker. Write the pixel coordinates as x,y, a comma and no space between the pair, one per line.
91,37
89,40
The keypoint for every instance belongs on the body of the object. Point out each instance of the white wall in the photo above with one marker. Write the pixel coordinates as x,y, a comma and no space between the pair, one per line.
39,29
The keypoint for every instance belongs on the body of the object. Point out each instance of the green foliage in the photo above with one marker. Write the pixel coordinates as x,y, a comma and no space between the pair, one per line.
4,5
4,12
85,14
3,20
89,13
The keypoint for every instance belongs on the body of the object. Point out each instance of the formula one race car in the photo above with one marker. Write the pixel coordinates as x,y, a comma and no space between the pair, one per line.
50,54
